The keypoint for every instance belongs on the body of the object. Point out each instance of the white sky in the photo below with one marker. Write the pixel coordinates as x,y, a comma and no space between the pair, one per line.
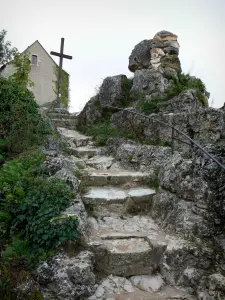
100,35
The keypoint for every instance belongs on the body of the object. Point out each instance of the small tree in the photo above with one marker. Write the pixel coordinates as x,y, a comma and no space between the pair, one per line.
22,64
6,52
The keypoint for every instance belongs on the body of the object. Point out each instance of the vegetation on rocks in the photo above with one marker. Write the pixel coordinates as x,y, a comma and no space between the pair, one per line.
180,83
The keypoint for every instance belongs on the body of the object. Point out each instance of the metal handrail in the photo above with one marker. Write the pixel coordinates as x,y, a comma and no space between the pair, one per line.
173,129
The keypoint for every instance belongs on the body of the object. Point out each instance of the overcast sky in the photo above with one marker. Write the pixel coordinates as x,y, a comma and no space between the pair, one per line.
100,35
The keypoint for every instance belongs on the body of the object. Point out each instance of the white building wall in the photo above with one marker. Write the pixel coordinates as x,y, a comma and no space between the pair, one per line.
41,74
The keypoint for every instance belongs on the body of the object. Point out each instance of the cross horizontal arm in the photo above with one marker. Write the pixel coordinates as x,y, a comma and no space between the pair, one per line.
61,55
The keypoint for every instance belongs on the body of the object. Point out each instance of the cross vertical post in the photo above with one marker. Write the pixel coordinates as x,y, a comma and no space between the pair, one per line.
60,69
61,56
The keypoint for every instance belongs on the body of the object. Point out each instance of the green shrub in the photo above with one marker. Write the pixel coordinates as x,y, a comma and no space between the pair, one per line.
101,132
21,126
30,207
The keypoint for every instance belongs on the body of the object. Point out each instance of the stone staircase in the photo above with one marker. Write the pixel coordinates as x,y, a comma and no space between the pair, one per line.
128,245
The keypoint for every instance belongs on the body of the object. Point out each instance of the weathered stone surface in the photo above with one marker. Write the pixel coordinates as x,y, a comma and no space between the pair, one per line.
114,177
135,156
68,278
111,92
77,209
169,293
67,176
165,36
140,56
54,164
213,287
148,81
111,285
91,113
73,136
147,283
171,61
28,289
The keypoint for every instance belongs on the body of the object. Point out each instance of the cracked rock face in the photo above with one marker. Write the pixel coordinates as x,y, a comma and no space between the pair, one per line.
68,278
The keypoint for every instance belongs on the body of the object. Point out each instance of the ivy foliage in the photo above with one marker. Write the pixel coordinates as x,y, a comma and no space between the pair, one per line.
64,99
21,62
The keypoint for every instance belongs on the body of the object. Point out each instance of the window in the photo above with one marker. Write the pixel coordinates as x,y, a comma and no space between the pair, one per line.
34,60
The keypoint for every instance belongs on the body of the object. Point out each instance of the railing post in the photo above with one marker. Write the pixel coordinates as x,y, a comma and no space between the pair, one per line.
172,140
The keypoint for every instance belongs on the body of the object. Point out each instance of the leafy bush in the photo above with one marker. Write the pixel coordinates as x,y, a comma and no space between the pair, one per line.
21,126
101,132
30,208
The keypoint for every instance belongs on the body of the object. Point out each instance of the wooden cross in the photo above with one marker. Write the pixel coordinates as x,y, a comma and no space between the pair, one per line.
61,56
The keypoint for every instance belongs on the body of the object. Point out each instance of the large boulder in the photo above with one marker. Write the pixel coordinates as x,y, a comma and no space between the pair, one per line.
149,82
160,53
140,56
112,91
91,113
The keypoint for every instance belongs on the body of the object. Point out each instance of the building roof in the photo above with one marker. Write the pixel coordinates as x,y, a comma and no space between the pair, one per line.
3,66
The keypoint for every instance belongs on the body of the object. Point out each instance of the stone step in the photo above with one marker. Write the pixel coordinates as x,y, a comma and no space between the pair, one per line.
53,115
127,245
113,200
66,123
79,140
86,152
115,177
100,162
168,293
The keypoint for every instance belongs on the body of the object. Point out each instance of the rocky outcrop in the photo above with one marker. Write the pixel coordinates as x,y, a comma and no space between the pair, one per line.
148,82
112,92
159,53
68,277
91,112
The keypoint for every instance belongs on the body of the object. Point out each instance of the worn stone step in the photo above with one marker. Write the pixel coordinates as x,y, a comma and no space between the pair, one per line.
79,140
168,293
107,200
122,244
66,123
53,115
86,152
125,257
100,162
115,177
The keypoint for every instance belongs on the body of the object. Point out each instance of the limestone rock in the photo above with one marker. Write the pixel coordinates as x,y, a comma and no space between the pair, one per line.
54,164
68,278
213,287
112,285
147,283
91,112
77,209
148,81
140,56
165,36
67,176
171,61
140,157
111,92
